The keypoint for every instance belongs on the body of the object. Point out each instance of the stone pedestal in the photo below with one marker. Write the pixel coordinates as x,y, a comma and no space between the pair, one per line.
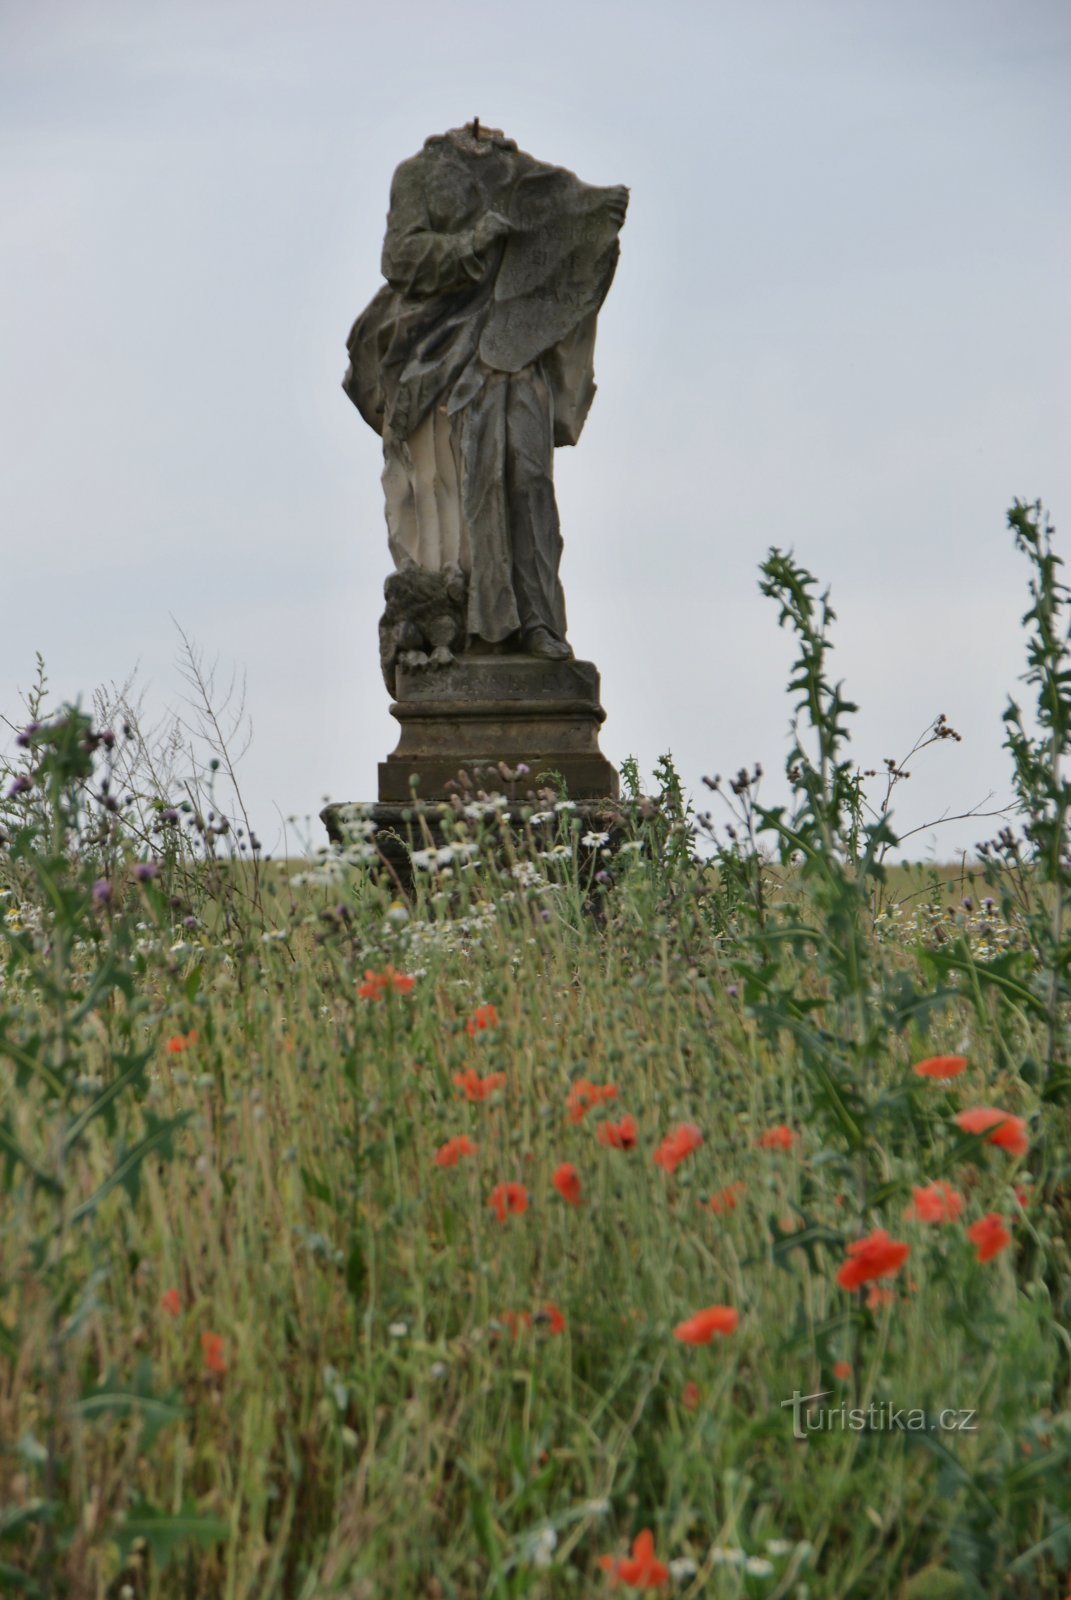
482,711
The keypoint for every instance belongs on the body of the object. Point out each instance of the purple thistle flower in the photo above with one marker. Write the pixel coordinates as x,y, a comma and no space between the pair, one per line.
102,892
145,870
21,784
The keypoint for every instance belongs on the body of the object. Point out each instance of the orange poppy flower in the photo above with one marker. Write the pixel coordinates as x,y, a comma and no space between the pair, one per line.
701,1328
450,1153
989,1236
937,1203
171,1302
618,1135
377,984
475,1088
690,1396
940,1067
212,1351
1000,1128
842,1371
876,1256
482,1018
779,1138
566,1180
181,1042
677,1145
584,1094
642,1571
508,1198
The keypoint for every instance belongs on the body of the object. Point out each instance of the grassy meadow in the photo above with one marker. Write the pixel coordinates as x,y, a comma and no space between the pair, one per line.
489,1242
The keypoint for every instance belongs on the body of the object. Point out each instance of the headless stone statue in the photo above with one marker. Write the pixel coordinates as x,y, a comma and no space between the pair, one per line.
472,362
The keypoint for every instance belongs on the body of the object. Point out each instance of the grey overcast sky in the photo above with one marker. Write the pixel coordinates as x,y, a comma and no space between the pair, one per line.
840,323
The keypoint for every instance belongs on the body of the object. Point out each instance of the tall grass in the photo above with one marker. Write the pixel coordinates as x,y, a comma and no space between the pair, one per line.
257,1341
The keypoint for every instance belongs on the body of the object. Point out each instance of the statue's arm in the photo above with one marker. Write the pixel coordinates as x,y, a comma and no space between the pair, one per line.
419,259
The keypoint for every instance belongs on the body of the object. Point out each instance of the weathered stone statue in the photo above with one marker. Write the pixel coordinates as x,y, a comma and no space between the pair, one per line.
475,360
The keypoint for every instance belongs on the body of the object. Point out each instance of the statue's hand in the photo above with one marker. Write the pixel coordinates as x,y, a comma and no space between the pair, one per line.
618,204
491,226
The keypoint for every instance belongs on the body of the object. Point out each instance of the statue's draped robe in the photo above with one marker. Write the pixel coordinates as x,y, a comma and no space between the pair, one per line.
473,364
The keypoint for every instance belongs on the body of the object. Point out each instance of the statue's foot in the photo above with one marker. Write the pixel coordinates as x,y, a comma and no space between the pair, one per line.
541,642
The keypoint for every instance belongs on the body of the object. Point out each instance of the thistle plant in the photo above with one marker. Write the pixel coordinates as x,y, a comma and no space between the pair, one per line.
1043,786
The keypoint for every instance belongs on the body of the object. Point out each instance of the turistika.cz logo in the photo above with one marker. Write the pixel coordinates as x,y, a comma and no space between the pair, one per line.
881,1416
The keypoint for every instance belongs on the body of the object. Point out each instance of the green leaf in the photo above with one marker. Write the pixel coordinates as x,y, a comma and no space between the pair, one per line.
165,1533
13,1519
1058,1088
482,1524
356,1272
14,1155
808,1239
12,1581
111,974
154,1410
28,1064
132,1068
934,1583
127,1174
1058,1542
316,1187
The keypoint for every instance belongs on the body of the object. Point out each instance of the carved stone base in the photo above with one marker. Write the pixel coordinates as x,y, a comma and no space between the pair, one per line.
485,711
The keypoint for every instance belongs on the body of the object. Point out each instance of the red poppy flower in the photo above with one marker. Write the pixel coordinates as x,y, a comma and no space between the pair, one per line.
550,1318
171,1302
1000,1127
566,1180
876,1256
940,1067
516,1324
690,1396
779,1138
377,984
584,1094
642,1571
450,1153
212,1351
726,1200
473,1087
701,1328
937,1203
181,1042
989,1236
618,1135
677,1145
507,1198
842,1371
482,1018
